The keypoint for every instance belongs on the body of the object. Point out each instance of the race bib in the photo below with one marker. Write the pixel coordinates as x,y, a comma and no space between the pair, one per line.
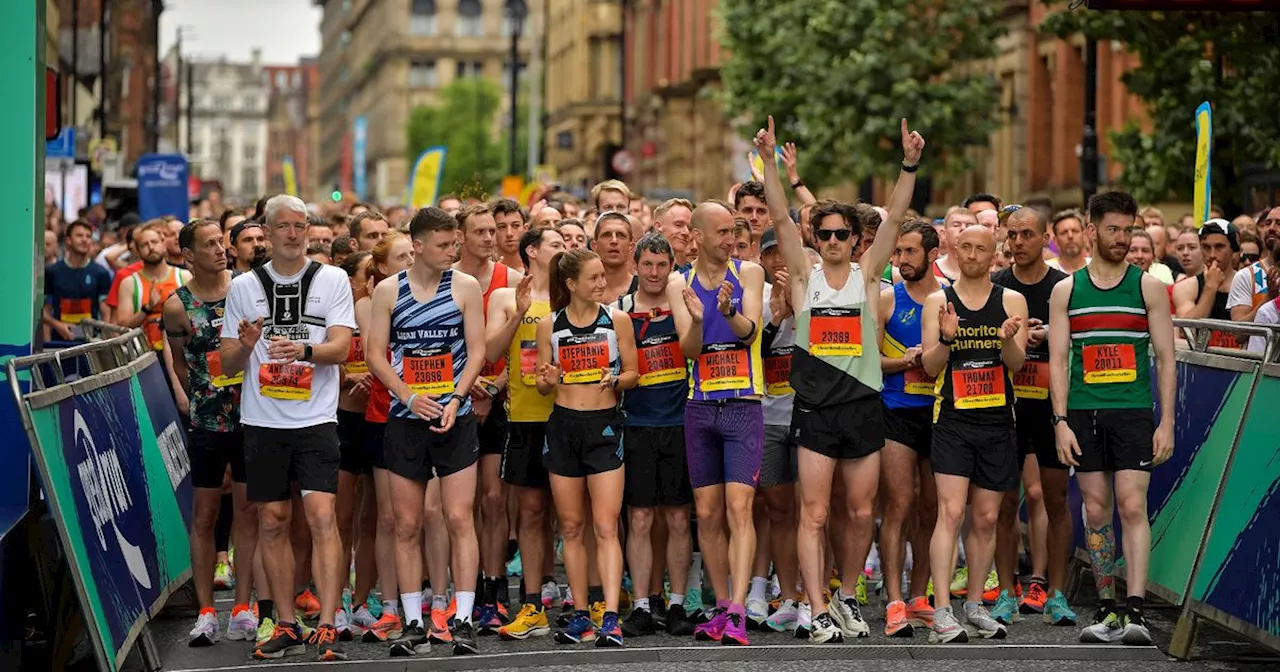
584,358
978,388
1115,363
355,357
724,366
428,370
213,360
492,370
289,382
835,332
529,363
74,311
661,360
777,371
916,381
1032,381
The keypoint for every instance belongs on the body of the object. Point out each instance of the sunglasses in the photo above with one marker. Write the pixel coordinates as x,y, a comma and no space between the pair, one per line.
1249,258
840,234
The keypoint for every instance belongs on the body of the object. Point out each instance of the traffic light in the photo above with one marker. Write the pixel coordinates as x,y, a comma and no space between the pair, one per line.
337,193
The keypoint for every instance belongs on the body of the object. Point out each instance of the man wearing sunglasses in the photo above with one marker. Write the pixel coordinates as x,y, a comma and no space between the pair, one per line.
838,419
1258,282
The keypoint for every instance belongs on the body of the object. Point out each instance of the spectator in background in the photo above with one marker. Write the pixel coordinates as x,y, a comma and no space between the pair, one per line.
1250,249
546,217
340,225
1245,224
173,251
342,246
1142,253
1190,257
50,247
395,215
319,231
574,234
319,252
1256,283
979,202
74,287
450,203
359,207
1187,221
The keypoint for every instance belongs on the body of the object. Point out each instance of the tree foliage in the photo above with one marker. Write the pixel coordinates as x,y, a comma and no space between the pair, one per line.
838,75
464,119
1227,58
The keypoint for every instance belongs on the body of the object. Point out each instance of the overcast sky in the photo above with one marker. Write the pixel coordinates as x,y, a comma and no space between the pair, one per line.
283,29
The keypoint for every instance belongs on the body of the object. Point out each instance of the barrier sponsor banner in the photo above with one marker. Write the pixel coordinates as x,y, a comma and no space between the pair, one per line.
1240,567
111,472
1210,404
162,424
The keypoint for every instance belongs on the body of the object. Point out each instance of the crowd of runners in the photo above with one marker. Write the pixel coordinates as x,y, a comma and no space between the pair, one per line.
718,417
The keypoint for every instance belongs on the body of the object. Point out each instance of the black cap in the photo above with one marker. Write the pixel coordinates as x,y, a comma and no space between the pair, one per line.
1221,226
129,219
768,240
241,226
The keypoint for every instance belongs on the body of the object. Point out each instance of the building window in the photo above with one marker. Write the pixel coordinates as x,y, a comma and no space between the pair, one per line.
196,149
564,140
249,181
422,18
470,19
250,152
221,102
422,75
473,69
282,79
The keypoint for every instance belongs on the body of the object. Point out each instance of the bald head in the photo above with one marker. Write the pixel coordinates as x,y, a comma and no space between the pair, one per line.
973,251
709,211
712,225
1030,217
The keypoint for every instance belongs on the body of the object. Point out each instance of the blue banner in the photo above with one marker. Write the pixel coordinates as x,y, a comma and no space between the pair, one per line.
359,141
162,186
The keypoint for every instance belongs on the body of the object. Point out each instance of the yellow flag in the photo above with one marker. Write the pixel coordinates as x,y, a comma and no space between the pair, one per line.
1204,164
290,176
424,182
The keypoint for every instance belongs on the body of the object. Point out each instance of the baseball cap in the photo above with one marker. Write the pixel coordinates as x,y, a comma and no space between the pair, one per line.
1222,226
241,226
768,240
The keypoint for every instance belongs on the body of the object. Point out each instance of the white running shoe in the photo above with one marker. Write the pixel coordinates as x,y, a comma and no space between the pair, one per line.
243,626
342,623
362,620
205,632
785,618
804,621
757,610
848,617
550,594
825,630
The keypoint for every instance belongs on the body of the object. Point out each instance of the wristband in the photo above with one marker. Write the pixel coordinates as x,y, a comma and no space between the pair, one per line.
910,169
946,341
409,404
797,184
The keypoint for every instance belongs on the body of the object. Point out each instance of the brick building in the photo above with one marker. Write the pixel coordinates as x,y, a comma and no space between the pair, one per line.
290,88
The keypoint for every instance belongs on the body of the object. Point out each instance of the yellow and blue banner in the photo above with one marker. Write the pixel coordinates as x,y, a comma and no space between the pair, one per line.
424,181
1204,163
290,176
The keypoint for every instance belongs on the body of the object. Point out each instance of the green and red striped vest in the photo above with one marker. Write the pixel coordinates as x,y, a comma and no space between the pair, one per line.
1110,344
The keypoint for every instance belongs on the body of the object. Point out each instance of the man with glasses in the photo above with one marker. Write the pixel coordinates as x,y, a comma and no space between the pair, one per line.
1258,283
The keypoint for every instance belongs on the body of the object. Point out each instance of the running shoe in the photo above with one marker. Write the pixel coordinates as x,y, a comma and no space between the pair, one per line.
860,590
757,612
1106,628
387,628
712,630
735,630
285,640
222,578
846,614
1134,631
920,612
374,605
678,622
991,588
580,629
637,624
567,610
488,620
1033,602
412,641
307,603
515,567
825,630
362,620
206,630
946,629
895,620
464,639
266,627
530,622
658,608
325,640
243,625
1057,611
610,635
960,583
804,621
1006,609
438,628
784,618
597,614
342,623
550,594
987,627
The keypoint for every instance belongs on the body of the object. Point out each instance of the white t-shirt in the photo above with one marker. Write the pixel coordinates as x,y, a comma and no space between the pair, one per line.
1267,314
1243,286
290,400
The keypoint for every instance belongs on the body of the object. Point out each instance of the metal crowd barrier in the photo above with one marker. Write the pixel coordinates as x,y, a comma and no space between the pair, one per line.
112,461
1213,507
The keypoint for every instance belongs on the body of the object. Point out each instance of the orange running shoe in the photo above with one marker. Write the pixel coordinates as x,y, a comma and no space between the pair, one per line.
439,633
1033,601
307,603
920,613
896,624
386,628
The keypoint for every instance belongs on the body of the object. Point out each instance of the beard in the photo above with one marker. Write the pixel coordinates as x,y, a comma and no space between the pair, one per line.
260,257
917,273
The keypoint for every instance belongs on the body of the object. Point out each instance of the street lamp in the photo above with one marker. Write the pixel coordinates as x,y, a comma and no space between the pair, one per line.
516,11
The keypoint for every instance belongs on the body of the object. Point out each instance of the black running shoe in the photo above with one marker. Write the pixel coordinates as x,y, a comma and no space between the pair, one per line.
327,647
413,640
464,639
286,640
638,623
678,622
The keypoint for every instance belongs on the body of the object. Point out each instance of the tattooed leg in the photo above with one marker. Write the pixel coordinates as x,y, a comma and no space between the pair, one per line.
1102,559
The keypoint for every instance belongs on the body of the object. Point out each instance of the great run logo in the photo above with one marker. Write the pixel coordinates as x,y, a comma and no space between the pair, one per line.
103,483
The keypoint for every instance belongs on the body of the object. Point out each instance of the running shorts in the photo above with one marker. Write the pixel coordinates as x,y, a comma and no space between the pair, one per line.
724,441
211,452
657,470
778,466
277,459
355,459
583,443
1036,436
522,460
1113,439
912,427
494,430
845,431
414,449
987,455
